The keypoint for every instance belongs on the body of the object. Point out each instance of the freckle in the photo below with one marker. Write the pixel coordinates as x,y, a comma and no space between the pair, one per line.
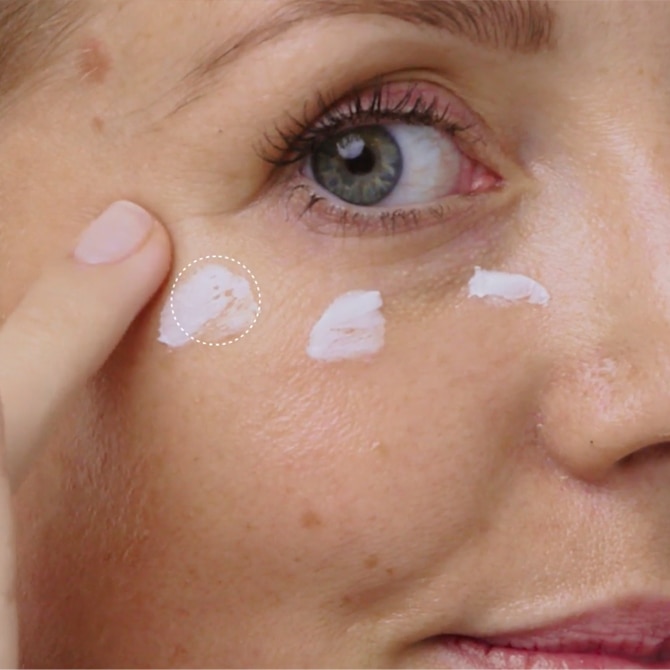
372,561
311,519
390,572
94,62
98,124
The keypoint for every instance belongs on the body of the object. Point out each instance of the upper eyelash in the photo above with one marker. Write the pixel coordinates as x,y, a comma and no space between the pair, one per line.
295,140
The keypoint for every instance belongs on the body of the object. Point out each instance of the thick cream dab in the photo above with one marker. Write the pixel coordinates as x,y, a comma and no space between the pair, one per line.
351,327
210,305
511,287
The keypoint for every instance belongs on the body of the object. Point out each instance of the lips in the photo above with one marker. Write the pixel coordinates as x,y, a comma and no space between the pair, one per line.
634,635
473,653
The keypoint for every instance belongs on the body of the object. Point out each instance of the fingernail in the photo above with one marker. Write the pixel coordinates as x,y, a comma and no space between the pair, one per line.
115,234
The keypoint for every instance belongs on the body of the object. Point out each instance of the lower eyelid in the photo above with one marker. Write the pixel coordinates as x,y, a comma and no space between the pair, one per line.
323,214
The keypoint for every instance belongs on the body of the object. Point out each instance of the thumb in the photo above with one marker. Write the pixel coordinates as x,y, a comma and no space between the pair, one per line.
71,320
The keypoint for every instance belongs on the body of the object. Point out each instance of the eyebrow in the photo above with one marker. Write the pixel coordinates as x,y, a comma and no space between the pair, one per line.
515,26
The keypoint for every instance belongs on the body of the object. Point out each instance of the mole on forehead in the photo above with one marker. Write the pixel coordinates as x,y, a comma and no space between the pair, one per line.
93,61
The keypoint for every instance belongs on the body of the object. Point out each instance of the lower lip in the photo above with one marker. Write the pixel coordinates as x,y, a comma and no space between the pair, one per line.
459,652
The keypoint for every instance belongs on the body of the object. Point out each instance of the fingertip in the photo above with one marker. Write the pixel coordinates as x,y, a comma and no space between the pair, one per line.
126,240
118,232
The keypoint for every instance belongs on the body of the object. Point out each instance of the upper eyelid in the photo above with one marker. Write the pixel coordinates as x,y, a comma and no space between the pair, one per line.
523,26
410,102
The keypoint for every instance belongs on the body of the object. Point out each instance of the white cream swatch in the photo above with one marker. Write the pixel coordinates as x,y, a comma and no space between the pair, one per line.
511,287
351,327
212,305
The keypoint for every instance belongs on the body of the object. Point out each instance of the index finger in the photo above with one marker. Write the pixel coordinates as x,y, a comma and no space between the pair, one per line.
71,320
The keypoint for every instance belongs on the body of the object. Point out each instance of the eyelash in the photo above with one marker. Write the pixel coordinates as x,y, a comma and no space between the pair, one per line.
297,138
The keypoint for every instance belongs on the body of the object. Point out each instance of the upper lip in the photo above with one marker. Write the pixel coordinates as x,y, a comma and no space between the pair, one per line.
636,630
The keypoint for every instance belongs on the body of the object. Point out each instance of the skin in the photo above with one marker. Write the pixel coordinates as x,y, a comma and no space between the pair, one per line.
115,263
495,467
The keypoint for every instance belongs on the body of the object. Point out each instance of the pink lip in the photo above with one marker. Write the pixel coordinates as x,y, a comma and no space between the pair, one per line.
634,635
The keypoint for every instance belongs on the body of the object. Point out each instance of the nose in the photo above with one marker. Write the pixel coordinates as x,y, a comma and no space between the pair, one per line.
605,408
604,400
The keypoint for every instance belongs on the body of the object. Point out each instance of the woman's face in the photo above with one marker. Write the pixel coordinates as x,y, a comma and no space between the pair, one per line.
496,465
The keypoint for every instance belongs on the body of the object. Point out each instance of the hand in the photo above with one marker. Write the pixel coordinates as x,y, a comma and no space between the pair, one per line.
63,330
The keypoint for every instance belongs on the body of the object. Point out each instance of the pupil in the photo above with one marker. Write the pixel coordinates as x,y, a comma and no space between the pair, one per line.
363,164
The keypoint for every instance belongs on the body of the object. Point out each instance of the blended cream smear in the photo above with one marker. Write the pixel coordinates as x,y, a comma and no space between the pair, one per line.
212,305
351,327
507,286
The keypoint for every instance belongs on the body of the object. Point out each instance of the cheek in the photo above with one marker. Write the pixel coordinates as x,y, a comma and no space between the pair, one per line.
305,480
335,466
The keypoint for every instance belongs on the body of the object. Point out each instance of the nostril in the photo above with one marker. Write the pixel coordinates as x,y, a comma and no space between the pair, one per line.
650,453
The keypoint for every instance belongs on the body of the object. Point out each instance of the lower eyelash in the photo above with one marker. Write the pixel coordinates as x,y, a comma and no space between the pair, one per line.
345,221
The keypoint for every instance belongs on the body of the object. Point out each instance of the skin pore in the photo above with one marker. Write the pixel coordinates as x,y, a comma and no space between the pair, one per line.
493,467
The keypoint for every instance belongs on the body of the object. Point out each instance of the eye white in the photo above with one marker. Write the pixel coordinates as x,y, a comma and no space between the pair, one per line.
431,165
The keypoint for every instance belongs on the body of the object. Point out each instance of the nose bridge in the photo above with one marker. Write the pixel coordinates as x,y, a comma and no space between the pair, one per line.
618,144
634,233
607,395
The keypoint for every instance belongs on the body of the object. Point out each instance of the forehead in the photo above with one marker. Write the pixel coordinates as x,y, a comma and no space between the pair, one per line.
169,53
216,32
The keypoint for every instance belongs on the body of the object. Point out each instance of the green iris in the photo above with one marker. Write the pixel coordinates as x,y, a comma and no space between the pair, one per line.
361,166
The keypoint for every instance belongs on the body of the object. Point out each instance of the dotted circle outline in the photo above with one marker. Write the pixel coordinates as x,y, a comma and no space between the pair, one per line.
258,296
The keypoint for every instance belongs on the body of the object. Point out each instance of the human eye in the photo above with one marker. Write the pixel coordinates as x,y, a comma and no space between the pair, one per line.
390,159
